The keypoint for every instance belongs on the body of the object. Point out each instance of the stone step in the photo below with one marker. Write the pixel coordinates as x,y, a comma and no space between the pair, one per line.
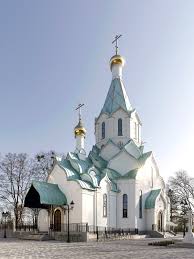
33,236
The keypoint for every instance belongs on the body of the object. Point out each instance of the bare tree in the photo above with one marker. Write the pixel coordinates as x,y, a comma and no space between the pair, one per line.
15,177
43,163
16,174
182,187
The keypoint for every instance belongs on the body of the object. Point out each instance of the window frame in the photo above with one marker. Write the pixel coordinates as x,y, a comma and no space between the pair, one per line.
140,205
120,127
125,205
105,205
103,130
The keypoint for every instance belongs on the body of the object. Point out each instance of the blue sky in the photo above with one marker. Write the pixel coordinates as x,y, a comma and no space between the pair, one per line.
55,54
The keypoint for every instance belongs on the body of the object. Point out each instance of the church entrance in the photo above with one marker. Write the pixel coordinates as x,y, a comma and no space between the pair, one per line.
160,221
57,220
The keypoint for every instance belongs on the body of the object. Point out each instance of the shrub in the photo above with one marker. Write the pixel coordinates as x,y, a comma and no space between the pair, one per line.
161,243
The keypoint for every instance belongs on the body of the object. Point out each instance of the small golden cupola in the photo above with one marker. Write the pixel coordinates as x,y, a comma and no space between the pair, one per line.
80,134
117,62
79,130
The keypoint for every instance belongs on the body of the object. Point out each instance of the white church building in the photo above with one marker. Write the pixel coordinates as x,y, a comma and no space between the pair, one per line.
117,184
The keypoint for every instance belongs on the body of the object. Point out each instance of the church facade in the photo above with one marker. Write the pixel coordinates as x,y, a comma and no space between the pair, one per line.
117,184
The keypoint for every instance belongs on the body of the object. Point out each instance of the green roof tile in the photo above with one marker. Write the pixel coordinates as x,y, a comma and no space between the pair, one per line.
116,98
49,193
130,175
144,157
151,199
70,171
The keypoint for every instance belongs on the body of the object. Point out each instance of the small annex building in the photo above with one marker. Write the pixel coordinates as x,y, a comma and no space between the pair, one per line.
116,185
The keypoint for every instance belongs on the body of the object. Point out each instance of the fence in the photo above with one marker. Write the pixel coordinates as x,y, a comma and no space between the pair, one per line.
97,232
6,229
27,227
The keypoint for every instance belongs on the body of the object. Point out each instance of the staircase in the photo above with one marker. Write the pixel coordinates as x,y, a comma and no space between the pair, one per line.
155,234
33,236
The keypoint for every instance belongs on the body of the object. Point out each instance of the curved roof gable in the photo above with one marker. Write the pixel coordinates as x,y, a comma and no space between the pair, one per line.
151,199
49,193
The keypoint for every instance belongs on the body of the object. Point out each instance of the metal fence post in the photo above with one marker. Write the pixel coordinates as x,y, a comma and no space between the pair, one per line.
97,233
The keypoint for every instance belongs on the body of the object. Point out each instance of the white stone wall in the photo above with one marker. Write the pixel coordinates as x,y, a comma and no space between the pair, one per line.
150,219
43,220
88,212
126,187
109,151
111,128
123,163
89,204
148,178
71,189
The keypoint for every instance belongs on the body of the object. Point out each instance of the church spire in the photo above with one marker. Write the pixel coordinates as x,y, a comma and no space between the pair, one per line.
117,96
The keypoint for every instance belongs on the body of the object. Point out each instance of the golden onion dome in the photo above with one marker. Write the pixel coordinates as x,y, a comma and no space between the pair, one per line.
117,59
79,130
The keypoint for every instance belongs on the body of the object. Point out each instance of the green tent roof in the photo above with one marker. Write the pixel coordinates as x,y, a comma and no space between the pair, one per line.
49,193
151,199
116,98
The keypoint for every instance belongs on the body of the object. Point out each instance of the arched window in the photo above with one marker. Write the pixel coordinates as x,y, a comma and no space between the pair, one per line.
120,127
140,205
103,130
125,205
105,205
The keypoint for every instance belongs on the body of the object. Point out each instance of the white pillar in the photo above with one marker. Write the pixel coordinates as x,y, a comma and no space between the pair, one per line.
116,71
79,142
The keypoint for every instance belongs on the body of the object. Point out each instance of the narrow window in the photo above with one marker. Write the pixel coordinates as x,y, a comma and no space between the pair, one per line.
137,132
134,129
105,205
125,205
140,205
152,177
120,127
103,130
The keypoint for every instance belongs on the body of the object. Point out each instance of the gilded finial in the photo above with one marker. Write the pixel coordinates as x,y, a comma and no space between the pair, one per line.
116,59
79,130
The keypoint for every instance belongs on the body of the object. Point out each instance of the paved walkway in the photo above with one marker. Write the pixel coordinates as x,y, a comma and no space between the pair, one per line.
120,249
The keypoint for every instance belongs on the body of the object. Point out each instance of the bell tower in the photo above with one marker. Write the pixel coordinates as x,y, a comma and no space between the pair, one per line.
117,121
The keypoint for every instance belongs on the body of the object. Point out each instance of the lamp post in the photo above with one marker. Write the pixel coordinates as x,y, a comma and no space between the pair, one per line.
68,207
184,203
5,215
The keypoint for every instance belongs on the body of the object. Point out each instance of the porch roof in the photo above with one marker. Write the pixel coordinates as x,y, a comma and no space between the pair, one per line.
151,199
42,193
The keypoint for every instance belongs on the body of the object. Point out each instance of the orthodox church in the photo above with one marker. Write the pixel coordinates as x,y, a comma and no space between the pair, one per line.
116,185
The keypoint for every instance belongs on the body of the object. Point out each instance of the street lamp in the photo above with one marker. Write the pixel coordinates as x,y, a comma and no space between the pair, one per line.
68,207
5,215
184,203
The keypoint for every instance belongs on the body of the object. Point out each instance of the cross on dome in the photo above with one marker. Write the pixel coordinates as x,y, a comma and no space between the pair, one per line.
116,42
79,108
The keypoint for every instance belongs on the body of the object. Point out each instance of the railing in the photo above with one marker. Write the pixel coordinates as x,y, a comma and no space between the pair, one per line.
27,227
73,227
100,233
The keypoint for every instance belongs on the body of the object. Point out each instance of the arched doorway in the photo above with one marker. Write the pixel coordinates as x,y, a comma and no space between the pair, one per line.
160,221
57,220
